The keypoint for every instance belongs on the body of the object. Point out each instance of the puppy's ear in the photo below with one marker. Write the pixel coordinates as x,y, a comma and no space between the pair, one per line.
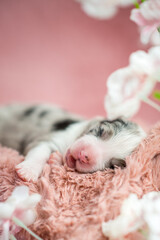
117,162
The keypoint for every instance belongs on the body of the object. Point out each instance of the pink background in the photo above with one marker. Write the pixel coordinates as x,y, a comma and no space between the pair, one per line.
51,51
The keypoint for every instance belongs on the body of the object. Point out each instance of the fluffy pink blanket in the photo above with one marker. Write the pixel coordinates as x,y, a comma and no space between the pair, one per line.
74,205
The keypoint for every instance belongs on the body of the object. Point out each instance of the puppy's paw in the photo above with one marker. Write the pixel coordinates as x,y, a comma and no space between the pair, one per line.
56,158
27,171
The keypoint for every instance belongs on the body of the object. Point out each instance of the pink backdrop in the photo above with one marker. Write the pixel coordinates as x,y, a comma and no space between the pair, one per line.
50,51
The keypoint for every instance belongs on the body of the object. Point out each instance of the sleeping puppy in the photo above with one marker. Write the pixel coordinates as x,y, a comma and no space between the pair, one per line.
85,145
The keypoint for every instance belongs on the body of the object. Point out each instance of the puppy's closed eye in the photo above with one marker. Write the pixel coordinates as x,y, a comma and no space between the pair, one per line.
117,162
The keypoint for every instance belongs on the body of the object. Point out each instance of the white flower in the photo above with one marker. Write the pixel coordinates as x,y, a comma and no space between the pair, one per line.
20,205
128,220
148,19
134,215
151,213
127,86
103,9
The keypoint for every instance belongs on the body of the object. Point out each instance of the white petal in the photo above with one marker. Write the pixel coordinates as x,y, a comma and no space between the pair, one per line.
141,62
99,10
31,201
153,222
126,109
28,217
153,236
125,2
129,220
115,228
154,52
5,231
116,82
19,194
151,195
157,206
6,210
150,9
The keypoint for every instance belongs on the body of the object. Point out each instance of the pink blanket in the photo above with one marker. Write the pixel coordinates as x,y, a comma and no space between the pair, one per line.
74,205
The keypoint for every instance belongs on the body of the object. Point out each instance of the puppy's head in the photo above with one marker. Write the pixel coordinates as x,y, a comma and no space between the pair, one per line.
104,144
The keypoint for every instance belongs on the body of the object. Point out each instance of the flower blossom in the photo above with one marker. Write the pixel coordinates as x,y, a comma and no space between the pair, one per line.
103,9
136,214
127,86
148,19
19,205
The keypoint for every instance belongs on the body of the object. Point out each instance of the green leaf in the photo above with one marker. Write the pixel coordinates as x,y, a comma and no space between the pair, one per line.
156,95
136,4
158,29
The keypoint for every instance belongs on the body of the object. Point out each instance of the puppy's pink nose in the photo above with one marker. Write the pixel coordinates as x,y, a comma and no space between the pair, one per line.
83,157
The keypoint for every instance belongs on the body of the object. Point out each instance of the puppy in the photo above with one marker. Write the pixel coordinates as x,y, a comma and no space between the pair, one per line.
85,145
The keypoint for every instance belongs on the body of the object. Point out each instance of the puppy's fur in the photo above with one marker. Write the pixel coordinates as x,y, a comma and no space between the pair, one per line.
86,145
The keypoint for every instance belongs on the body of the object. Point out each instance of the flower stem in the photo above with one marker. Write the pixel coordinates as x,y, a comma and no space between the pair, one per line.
21,224
151,103
12,237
